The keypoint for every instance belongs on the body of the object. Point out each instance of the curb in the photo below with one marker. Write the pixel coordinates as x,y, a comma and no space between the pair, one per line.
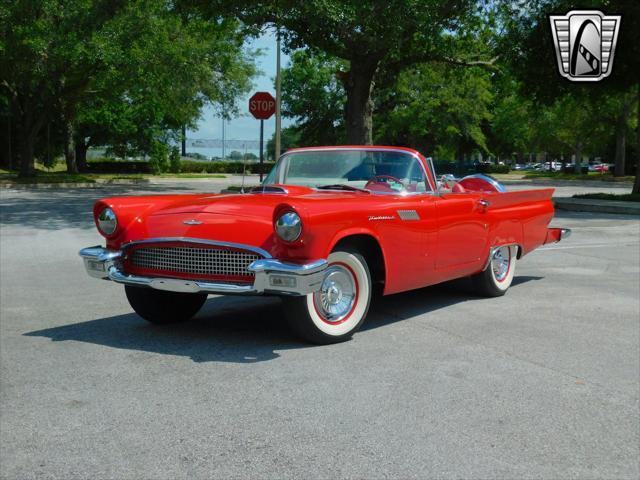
570,183
96,184
598,206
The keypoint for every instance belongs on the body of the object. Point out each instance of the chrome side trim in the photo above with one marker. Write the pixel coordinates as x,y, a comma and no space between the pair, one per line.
269,189
241,246
408,215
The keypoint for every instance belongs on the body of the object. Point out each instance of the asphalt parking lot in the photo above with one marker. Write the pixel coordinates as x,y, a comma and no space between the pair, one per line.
541,383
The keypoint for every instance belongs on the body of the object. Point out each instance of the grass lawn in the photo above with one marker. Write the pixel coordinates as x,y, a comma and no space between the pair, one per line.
625,197
604,177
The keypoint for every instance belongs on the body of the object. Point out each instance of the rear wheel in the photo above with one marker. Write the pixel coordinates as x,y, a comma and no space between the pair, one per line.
160,307
335,312
495,280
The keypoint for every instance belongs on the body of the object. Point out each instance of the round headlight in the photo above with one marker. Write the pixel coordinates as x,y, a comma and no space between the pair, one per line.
289,226
107,221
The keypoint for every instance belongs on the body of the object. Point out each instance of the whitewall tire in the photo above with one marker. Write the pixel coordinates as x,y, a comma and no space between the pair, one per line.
496,278
337,310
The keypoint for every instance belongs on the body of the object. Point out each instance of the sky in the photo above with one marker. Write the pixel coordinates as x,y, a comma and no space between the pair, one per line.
246,127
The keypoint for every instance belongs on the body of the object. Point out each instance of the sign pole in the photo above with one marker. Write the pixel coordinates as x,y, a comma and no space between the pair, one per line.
278,96
261,148
262,106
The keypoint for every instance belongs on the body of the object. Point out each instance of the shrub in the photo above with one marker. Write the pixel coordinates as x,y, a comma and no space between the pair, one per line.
159,158
491,168
197,156
108,165
105,165
569,168
190,166
175,162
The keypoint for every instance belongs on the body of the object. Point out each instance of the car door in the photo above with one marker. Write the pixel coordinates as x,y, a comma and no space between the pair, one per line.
462,231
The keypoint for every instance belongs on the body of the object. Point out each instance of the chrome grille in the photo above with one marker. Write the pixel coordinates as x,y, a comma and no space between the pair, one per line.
194,260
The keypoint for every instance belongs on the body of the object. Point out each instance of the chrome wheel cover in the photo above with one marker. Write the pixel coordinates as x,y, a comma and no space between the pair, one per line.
500,261
337,295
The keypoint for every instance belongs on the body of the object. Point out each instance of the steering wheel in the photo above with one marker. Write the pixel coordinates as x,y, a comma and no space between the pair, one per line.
379,180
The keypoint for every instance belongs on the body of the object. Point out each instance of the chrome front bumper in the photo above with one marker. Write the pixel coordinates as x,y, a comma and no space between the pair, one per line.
272,277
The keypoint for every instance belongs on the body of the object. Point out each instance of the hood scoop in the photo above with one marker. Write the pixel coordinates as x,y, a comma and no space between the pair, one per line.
268,189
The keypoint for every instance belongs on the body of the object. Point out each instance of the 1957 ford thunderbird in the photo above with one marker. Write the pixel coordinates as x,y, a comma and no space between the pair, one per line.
328,228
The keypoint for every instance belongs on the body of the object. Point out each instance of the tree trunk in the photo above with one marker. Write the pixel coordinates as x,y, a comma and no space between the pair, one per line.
578,162
28,131
636,184
8,154
359,107
27,143
81,154
621,134
70,149
621,144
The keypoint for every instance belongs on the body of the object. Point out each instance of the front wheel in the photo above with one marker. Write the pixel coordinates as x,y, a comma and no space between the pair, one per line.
335,312
161,307
494,280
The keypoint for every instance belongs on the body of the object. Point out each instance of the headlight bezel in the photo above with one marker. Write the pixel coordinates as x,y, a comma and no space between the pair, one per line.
288,221
107,221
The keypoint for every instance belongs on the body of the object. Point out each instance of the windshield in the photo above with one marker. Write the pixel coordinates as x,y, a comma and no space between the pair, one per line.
378,171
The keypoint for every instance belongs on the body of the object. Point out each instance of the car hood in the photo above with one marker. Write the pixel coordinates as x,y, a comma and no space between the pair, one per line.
238,205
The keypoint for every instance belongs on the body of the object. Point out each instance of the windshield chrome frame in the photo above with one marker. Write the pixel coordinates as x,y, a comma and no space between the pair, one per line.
413,154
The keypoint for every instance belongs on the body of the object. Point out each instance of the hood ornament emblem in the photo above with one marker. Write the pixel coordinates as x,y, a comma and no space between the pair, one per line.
192,222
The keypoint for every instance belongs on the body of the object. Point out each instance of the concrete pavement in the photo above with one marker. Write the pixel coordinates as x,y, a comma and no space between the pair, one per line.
541,383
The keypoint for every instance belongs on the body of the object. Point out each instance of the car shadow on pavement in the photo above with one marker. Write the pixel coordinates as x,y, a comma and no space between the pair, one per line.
244,329
401,306
227,329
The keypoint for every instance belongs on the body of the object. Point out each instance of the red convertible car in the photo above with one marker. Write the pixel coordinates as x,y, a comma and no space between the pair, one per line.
328,228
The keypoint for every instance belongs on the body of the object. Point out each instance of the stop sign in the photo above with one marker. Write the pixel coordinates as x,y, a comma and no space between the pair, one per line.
262,105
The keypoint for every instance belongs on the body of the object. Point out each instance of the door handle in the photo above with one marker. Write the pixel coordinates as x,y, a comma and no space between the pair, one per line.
484,204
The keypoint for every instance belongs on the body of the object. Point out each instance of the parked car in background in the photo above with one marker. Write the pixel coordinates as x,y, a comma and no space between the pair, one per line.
549,166
599,167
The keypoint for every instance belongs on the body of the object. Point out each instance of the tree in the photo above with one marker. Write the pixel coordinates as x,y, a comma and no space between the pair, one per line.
511,130
164,68
122,72
290,138
433,107
529,49
376,39
314,97
235,155
47,61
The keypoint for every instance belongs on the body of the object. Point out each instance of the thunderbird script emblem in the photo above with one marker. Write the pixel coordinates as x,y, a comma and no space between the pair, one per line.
585,42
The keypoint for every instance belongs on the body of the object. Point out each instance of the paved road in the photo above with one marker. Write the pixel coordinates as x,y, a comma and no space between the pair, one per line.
541,383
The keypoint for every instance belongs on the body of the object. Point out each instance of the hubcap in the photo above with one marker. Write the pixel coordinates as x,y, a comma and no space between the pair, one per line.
500,263
337,294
